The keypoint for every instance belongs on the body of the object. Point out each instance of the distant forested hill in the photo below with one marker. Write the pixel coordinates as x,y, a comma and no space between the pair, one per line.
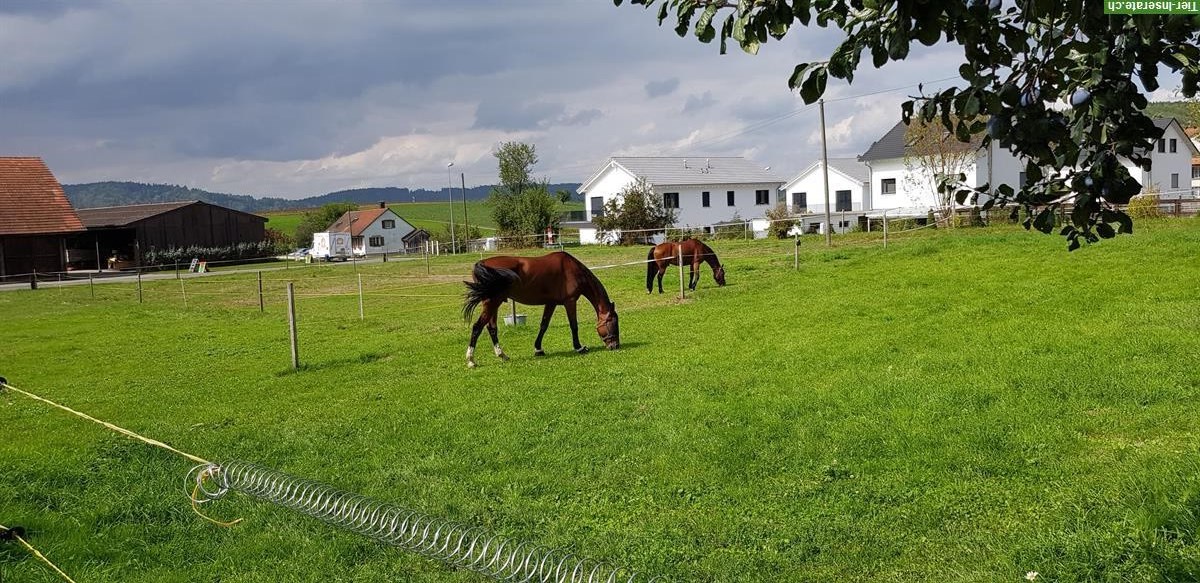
98,194
1185,112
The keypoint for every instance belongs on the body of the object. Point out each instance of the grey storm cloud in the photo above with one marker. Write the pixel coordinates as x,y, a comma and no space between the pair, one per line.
696,103
539,115
661,88
177,90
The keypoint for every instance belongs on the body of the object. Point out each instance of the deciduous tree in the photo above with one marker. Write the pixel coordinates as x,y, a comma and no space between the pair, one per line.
1017,57
632,213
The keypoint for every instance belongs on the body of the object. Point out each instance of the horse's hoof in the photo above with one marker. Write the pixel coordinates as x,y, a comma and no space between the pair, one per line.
539,353
503,357
582,350
470,364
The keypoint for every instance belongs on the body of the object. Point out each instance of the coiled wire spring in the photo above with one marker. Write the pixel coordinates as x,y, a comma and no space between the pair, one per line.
461,546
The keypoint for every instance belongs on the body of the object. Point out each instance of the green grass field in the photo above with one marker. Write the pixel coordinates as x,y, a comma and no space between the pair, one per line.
963,406
431,216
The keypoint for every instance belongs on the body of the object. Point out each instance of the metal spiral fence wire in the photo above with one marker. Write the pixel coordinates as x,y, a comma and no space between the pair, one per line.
473,548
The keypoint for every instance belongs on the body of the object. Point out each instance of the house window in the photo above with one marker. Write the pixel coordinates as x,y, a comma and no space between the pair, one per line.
762,197
671,200
376,240
843,201
799,202
888,186
387,224
729,198
1195,172
1162,146
1173,146
704,200
1175,180
597,206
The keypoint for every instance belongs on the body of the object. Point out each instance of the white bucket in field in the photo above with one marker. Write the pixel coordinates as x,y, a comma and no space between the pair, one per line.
520,320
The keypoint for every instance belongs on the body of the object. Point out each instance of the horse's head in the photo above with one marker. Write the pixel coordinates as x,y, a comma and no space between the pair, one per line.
719,274
608,328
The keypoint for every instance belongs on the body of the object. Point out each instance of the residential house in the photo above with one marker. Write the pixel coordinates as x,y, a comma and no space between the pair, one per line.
1171,162
36,219
899,184
849,193
702,191
379,230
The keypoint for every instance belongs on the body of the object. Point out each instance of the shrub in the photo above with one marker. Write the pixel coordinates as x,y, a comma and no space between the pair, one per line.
1144,206
227,253
782,221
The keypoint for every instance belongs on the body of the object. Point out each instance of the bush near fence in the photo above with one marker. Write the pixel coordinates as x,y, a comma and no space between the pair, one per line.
231,252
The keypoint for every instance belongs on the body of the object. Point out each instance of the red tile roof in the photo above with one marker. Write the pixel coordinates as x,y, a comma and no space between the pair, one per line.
355,222
32,201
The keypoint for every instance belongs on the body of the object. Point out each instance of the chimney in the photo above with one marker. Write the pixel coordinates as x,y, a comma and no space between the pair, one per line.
382,204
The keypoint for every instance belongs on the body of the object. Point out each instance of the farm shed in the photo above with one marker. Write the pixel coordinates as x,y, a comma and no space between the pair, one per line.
35,218
129,231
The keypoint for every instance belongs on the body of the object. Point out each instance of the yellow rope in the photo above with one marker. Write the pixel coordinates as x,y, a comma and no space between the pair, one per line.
37,554
120,430
154,442
196,508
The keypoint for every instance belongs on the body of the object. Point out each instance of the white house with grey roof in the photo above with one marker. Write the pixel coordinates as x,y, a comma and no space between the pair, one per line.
894,184
849,193
703,191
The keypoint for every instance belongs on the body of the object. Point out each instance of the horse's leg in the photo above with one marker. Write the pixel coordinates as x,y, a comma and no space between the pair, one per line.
569,306
693,278
662,270
547,313
491,328
475,330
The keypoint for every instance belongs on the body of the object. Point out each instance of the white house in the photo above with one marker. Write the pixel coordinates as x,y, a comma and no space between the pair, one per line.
905,186
897,185
1171,162
702,191
849,192
379,230
1195,170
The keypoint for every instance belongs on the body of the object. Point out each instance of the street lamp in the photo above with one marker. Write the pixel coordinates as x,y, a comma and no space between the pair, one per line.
450,192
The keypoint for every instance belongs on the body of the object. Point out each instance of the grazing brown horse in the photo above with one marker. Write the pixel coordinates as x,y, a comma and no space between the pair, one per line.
550,280
694,251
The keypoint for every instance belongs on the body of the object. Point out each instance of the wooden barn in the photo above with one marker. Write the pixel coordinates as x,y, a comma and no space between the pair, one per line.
36,219
129,231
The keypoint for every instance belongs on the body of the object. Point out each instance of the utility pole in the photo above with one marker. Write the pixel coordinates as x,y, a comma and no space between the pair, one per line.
825,171
450,192
466,229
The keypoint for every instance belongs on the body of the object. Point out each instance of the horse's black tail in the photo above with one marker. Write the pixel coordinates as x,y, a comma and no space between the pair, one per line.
490,282
651,269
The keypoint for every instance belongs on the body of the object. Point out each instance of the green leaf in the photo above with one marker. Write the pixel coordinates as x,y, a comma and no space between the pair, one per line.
1044,221
704,28
1125,223
797,76
814,86
1105,231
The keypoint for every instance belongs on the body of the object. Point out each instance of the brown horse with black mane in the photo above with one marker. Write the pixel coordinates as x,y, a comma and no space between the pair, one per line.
550,280
694,251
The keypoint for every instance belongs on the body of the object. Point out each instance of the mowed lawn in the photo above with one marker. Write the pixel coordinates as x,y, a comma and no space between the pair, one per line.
963,406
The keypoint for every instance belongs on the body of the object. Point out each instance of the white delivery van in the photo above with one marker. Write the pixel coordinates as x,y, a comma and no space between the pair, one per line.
328,246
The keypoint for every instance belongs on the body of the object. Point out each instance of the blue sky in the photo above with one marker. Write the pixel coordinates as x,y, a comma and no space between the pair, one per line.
301,97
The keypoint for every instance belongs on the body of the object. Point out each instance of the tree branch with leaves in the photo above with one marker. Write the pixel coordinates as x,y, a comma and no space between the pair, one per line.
1015,60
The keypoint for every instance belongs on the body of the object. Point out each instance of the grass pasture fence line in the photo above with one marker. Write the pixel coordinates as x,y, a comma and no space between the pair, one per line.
970,404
